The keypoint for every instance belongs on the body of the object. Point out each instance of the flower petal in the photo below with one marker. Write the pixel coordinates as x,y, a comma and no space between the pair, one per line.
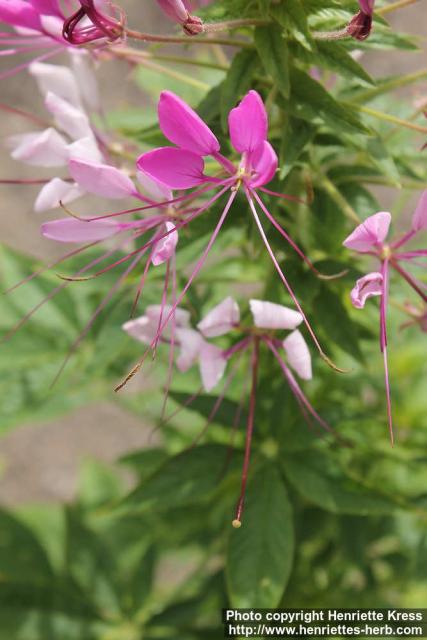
153,188
366,287
419,219
142,329
182,126
101,179
165,248
20,14
370,234
175,9
55,192
73,230
298,354
190,342
212,365
68,117
57,79
221,319
83,68
367,6
176,168
44,149
248,123
268,315
182,316
264,162
85,149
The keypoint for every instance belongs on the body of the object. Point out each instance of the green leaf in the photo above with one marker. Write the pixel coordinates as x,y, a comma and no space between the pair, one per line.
334,493
238,82
291,16
21,553
260,553
296,136
273,52
184,479
334,56
204,404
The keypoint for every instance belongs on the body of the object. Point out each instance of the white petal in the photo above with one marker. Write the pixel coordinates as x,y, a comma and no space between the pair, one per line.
221,319
69,118
82,65
155,190
298,354
268,315
142,329
44,149
85,149
212,365
55,191
57,79
190,342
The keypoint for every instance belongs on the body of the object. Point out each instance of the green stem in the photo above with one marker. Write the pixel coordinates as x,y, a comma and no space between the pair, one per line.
234,24
148,55
400,4
380,180
149,37
325,183
390,85
388,117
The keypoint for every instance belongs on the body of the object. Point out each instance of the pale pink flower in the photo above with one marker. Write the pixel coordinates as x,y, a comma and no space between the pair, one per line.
94,20
270,320
369,238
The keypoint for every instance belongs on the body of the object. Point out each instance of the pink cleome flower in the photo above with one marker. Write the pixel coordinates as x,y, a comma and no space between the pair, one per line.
369,238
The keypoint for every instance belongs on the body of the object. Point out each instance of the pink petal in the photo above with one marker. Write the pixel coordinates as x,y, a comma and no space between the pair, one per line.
268,315
142,329
85,149
68,117
57,191
248,123
20,14
212,365
153,188
165,248
370,234
73,230
57,79
182,126
101,179
221,319
52,26
175,9
367,6
44,149
264,162
182,316
366,287
419,220
298,354
190,342
176,168
47,7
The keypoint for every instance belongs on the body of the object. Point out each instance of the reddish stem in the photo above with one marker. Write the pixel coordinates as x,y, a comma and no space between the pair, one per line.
237,522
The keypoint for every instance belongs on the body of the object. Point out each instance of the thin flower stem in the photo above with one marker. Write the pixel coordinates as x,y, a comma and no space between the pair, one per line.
409,279
390,85
331,35
237,522
205,64
383,343
149,37
227,25
335,194
388,117
176,75
400,4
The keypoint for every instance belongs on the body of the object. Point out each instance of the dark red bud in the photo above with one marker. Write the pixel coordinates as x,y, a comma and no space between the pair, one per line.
360,26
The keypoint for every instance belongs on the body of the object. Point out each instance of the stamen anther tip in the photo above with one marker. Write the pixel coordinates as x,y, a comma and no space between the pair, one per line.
236,524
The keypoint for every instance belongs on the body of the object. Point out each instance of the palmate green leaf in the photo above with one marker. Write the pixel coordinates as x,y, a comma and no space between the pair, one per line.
296,136
311,101
291,16
260,553
187,478
311,478
238,81
334,56
204,404
21,553
273,52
